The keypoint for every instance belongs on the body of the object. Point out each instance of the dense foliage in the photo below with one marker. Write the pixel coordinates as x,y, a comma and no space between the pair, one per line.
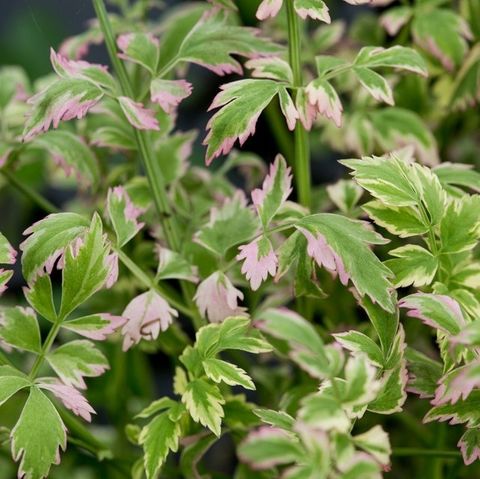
248,323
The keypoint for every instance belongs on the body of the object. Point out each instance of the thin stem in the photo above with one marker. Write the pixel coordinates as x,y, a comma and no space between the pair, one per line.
302,148
39,200
150,283
280,132
52,334
152,168
413,451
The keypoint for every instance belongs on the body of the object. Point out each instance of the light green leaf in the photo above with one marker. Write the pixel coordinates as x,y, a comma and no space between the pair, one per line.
315,9
442,33
40,297
458,174
375,84
38,436
463,411
357,342
424,373
241,102
415,266
395,18
123,214
396,127
323,410
470,445
158,438
279,419
273,68
7,253
140,48
233,333
5,276
77,359
404,221
274,192
19,328
438,311
402,58
172,265
204,403
230,225
460,225
64,98
360,386
156,406
466,89
345,194
269,447
376,442
349,240
71,153
11,381
85,268
47,241
212,41
221,371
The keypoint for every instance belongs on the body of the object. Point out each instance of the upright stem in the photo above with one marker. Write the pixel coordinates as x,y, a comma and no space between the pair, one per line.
154,174
302,148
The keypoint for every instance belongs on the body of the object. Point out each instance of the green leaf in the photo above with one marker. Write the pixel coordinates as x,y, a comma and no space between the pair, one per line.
85,268
466,89
315,9
396,127
392,394
388,179
241,103
158,438
7,253
357,342
38,436
275,191
349,240
172,265
123,214
273,68
11,381
204,403
458,174
212,41
415,266
64,98
463,411
376,442
19,328
323,410
291,327
360,386
230,225
402,221
276,418
424,373
233,333
385,324
192,455
77,359
71,153
442,33
401,58
470,445
345,194
375,84
156,406
140,48
465,212
5,276
438,311
47,241
269,447
40,297
221,371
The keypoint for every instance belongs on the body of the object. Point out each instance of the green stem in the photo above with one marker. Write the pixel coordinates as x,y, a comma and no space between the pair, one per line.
413,451
150,283
302,148
52,334
152,168
29,192
280,132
